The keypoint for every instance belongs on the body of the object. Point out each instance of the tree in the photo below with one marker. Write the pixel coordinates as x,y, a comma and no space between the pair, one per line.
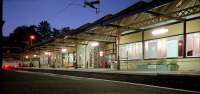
65,29
56,32
18,37
21,36
44,30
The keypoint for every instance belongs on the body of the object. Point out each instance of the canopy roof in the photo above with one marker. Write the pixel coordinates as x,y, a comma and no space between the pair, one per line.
138,17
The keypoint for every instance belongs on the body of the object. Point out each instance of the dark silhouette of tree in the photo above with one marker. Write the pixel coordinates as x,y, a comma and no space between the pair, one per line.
44,30
65,30
21,36
56,32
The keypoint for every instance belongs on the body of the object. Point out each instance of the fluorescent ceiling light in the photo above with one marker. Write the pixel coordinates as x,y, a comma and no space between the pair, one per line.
26,57
101,53
63,50
94,44
47,53
160,31
34,55
128,31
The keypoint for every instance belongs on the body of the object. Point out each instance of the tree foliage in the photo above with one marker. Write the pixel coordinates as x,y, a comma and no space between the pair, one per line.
44,29
21,35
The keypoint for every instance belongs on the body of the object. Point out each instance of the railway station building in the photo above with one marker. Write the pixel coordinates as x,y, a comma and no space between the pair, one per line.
161,35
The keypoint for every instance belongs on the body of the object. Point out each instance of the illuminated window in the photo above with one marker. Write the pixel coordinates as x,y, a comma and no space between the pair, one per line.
71,58
131,51
193,45
123,50
151,49
164,48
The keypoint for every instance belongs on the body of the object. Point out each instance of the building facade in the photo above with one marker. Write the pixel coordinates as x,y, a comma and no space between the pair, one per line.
163,38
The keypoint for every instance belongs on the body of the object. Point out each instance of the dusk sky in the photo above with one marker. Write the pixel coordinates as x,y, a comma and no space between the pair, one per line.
28,12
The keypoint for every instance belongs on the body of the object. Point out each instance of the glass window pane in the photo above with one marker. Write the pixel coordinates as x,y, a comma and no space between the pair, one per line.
193,45
123,51
131,51
172,48
152,49
164,48
161,48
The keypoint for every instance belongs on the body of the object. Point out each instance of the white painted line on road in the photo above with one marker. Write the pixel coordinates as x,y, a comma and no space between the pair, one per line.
75,77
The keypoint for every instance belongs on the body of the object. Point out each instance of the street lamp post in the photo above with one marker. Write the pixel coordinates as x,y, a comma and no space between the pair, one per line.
32,37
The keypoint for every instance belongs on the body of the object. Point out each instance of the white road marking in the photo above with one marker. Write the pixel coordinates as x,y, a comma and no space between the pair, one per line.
78,78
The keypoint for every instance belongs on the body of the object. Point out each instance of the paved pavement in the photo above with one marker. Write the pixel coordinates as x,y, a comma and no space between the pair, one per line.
123,71
45,83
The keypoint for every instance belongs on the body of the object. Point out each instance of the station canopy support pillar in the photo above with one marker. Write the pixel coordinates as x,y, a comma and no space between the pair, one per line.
118,44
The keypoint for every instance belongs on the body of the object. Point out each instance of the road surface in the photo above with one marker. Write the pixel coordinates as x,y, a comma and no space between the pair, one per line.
19,82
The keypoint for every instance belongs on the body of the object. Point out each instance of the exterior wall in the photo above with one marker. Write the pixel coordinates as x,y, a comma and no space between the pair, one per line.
189,64
88,57
174,29
71,49
131,38
184,64
109,46
193,26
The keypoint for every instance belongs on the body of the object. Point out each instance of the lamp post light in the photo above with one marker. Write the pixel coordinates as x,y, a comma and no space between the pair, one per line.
32,37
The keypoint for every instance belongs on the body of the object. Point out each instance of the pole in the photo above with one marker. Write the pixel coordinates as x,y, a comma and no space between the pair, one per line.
184,39
127,60
76,64
118,44
30,42
62,60
68,58
86,56
39,58
143,45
